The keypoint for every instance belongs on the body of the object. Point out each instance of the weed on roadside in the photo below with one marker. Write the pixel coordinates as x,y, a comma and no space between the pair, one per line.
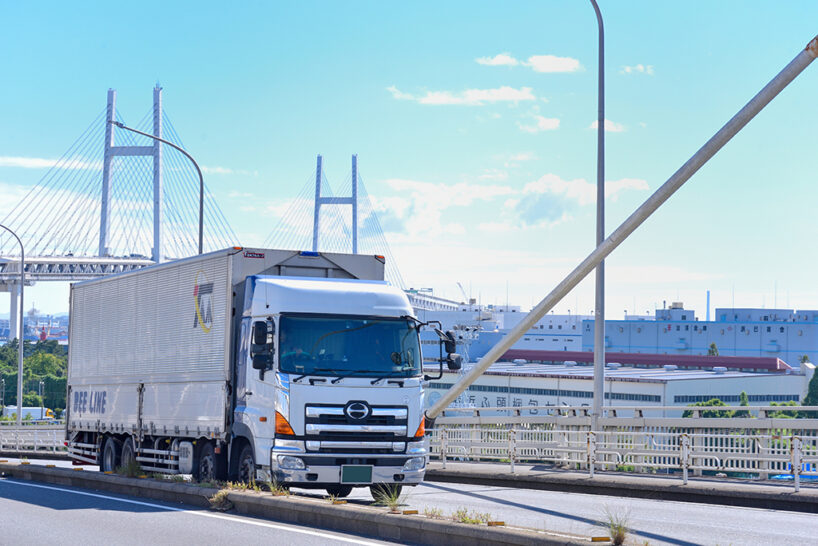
616,522
131,469
433,513
220,502
462,515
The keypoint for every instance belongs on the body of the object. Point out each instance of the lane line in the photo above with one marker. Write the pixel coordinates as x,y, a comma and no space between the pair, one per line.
197,513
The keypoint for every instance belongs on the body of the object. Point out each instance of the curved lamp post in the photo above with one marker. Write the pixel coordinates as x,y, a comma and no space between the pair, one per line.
198,170
599,306
22,329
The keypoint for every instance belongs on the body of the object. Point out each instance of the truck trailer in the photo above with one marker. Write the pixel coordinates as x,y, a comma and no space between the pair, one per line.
300,368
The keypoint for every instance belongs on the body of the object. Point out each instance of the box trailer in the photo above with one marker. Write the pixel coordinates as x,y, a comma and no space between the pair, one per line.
254,364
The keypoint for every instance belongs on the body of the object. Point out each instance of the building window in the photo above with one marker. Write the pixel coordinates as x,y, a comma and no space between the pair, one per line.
781,330
704,328
559,327
755,329
742,328
687,327
768,329
678,328
684,317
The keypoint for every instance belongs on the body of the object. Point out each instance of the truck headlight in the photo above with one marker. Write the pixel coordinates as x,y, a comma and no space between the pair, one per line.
414,464
290,463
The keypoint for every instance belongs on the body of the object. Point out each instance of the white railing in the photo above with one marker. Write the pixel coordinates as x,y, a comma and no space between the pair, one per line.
32,438
745,446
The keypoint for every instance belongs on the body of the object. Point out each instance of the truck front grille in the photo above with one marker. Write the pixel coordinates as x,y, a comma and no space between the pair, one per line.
328,429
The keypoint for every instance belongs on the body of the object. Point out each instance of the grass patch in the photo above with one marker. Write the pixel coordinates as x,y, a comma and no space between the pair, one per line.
617,523
462,515
389,496
220,502
277,489
433,513
131,469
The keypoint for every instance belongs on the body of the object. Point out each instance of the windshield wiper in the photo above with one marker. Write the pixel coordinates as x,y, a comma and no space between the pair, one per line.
391,374
350,374
300,377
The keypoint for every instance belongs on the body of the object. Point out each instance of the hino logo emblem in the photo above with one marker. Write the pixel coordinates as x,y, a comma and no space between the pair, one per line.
357,410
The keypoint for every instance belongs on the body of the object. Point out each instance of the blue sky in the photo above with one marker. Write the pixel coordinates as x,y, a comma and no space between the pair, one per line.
471,121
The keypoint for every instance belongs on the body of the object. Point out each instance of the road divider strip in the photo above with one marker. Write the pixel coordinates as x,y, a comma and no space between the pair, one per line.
350,518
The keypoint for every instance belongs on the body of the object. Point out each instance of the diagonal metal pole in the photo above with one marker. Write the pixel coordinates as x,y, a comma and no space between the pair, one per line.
599,305
22,329
636,219
190,157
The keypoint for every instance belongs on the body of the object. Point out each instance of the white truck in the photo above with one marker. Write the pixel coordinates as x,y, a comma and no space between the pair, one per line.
302,368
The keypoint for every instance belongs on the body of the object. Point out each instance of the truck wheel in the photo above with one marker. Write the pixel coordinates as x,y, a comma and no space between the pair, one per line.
385,491
209,466
128,455
339,491
247,465
110,455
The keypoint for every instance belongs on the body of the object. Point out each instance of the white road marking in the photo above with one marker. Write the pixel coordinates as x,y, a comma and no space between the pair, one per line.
197,513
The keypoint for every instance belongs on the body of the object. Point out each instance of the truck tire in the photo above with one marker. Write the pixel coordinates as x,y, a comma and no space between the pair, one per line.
208,465
379,491
246,470
128,454
111,453
339,491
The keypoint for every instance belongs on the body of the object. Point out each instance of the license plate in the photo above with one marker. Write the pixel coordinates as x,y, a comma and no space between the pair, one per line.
356,474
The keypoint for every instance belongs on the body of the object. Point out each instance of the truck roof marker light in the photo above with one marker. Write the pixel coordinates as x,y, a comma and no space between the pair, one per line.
309,253
282,426
421,431
262,419
238,248
381,258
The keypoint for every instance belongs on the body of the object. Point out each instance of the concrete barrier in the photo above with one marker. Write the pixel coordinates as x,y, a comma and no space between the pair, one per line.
706,491
310,512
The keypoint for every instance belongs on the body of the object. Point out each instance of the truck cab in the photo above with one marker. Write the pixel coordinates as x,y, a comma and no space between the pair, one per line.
328,386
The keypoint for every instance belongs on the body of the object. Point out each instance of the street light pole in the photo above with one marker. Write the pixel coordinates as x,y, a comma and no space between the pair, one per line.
198,170
22,329
599,306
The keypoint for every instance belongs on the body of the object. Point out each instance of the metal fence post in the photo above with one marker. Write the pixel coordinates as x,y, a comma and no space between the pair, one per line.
591,452
444,437
512,446
684,445
795,455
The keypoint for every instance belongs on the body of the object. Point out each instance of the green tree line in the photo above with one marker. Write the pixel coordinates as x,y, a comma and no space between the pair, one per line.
45,361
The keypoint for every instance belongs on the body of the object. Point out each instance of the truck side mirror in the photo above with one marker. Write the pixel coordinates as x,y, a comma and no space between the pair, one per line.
260,333
449,343
454,361
261,362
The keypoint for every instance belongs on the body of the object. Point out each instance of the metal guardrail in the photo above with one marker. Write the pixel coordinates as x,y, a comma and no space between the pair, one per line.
32,438
761,446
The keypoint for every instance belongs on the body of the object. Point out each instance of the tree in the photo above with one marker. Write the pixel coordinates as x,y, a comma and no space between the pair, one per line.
40,364
784,414
709,413
812,397
713,350
743,400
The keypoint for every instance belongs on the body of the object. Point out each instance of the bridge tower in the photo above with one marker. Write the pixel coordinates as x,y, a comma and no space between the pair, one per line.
154,151
320,201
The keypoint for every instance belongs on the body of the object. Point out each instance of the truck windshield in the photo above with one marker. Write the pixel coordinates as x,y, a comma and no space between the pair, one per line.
348,346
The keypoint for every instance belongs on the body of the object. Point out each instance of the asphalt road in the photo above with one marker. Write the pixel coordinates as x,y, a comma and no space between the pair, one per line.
651,521
37,514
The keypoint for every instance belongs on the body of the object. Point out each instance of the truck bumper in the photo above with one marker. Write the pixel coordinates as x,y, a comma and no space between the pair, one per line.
325,469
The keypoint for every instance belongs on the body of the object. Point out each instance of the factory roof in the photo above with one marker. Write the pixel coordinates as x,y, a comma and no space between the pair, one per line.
767,364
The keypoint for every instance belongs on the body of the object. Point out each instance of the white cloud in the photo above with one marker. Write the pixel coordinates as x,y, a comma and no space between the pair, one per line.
469,97
552,63
579,189
493,174
41,163
637,69
503,59
538,63
610,126
542,124
417,212
227,170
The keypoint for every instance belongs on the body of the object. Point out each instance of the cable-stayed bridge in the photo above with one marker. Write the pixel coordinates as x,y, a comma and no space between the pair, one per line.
138,205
